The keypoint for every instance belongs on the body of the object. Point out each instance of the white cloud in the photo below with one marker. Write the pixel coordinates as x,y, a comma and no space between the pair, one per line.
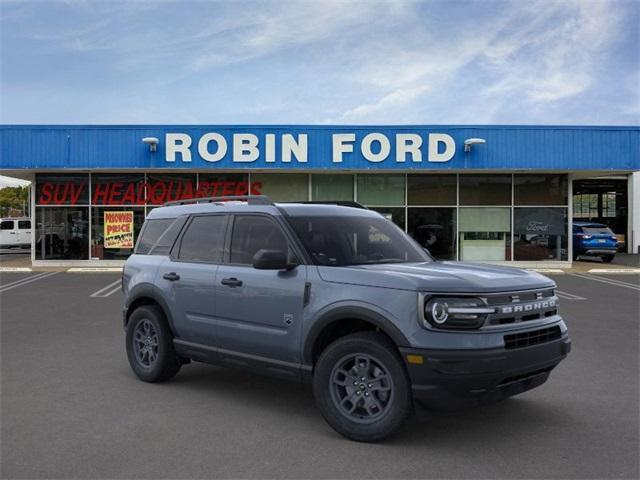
400,98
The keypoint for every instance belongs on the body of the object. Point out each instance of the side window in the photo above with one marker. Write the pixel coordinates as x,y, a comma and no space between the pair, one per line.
150,234
203,240
24,224
168,238
6,225
252,233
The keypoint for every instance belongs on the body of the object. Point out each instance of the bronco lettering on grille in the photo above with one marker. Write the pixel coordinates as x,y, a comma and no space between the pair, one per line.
528,307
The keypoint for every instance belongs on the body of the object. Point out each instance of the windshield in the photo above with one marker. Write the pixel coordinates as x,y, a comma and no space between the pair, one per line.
341,241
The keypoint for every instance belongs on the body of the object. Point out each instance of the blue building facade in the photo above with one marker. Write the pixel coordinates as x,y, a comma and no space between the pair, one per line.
479,193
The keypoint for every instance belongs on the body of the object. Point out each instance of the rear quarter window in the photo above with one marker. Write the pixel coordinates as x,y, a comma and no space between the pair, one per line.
158,235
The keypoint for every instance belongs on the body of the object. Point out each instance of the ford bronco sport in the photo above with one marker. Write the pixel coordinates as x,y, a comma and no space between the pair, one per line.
338,296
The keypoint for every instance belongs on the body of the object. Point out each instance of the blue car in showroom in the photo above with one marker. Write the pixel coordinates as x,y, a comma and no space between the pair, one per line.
594,239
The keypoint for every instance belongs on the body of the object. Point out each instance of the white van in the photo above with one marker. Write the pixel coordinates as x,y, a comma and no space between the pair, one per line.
15,232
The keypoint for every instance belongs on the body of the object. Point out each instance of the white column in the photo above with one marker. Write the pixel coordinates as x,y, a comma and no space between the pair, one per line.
633,243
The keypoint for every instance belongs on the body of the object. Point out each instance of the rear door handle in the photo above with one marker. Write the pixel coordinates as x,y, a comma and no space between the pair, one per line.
231,282
171,276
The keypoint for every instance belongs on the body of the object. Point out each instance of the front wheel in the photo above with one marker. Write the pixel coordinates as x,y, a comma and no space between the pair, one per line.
361,387
607,258
150,345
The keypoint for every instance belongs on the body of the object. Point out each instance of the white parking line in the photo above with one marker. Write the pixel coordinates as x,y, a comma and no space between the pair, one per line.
568,296
614,270
608,281
106,291
24,281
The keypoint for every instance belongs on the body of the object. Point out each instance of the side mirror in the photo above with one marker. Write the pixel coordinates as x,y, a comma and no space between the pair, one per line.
271,260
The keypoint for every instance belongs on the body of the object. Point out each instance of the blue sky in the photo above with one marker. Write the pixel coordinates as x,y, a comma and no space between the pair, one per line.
321,62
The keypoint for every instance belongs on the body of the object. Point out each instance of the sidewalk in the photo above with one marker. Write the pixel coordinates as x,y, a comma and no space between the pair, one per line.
622,263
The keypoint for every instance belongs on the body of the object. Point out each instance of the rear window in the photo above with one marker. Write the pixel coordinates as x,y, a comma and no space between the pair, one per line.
6,225
24,224
158,236
597,230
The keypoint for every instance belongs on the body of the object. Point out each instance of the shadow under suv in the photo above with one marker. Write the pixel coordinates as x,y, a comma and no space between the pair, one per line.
337,296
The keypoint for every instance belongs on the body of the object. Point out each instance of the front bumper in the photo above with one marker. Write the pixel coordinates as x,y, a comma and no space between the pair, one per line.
453,379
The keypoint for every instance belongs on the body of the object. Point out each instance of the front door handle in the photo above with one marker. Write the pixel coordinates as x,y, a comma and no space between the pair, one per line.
171,276
231,282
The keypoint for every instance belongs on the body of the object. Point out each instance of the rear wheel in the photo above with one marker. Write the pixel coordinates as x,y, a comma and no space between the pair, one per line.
361,387
150,345
607,258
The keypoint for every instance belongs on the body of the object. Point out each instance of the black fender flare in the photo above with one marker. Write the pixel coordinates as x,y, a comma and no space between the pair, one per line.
147,290
350,312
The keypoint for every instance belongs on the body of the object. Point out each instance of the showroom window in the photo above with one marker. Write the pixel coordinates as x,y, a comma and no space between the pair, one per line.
62,233
224,184
114,250
486,189
540,189
283,187
381,190
331,187
168,187
427,190
434,229
384,194
62,189
485,234
540,234
118,189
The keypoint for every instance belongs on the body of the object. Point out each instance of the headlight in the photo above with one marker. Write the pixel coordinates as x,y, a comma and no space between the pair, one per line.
456,313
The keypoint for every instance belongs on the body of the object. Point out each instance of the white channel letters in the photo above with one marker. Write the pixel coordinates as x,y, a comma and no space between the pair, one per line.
374,147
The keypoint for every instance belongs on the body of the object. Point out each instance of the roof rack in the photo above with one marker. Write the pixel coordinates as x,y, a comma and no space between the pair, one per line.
341,203
250,199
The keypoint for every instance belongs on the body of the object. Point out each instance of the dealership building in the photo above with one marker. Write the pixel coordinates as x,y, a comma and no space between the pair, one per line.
500,194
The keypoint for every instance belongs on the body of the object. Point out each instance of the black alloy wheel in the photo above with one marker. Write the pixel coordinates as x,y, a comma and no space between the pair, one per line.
150,345
361,386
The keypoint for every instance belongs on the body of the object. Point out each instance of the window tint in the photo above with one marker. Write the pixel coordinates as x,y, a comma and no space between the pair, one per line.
151,232
252,233
24,224
6,225
485,189
167,239
204,239
357,240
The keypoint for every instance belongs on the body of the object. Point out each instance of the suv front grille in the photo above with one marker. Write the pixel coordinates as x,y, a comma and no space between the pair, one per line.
518,307
534,337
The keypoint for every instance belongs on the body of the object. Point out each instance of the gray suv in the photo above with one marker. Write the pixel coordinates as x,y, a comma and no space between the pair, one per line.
336,295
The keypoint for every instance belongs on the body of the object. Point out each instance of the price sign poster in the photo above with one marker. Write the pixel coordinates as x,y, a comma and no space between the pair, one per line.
118,229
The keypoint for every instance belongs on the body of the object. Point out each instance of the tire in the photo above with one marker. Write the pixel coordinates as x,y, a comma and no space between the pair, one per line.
607,258
159,362
388,400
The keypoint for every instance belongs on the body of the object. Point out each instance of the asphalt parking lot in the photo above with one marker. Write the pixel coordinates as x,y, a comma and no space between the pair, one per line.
71,407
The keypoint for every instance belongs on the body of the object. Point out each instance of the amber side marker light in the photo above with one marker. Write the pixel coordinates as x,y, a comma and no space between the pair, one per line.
415,359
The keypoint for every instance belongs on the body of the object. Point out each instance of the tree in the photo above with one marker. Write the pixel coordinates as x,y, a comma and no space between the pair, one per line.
14,201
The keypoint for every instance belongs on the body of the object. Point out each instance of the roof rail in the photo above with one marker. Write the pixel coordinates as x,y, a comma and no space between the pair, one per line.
341,203
250,199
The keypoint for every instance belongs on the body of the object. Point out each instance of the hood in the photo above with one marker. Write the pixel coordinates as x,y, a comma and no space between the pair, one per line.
455,277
